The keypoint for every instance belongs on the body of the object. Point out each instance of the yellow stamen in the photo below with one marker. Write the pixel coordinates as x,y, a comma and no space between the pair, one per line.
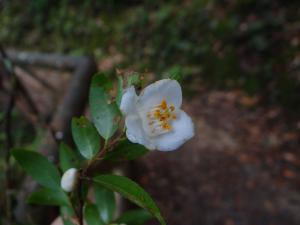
161,115
166,126
164,104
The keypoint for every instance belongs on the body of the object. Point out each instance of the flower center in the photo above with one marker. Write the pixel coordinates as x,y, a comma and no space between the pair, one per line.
160,117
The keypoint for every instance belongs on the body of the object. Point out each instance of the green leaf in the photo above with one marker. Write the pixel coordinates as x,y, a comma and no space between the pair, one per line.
105,201
91,215
67,157
85,136
67,211
47,196
67,222
132,191
120,91
175,73
134,217
134,79
126,150
104,80
41,170
103,111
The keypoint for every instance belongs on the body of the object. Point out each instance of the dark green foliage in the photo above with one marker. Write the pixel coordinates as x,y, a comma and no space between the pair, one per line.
105,203
130,190
244,44
41,170
49,197
103,110
85,137
126,150
68,158
134,217
91,215
248,44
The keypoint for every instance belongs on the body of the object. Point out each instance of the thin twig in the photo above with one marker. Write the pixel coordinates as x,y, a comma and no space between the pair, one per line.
83,174
81,202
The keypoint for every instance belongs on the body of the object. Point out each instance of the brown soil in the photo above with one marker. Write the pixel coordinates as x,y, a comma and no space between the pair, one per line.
241,168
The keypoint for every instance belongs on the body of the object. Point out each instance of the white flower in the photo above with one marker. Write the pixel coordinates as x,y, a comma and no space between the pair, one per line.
68,180
154,119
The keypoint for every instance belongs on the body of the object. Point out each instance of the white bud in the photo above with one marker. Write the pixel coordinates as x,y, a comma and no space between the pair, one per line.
68,180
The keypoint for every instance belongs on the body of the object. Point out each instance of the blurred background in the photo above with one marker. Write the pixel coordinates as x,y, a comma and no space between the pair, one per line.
239,62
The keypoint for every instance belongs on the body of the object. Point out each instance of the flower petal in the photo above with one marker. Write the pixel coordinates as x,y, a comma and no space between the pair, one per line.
129,100
153,94
183,130
135,132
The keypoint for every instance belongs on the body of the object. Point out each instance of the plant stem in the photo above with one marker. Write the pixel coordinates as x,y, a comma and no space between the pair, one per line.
81,202
101,153
83,174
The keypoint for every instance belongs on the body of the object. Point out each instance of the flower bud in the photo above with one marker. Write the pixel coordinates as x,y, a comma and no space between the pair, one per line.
68,180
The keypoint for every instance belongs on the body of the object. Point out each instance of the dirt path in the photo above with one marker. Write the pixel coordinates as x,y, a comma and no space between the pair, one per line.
242,168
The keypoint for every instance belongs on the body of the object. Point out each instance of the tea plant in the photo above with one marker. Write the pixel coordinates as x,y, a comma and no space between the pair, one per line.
153,120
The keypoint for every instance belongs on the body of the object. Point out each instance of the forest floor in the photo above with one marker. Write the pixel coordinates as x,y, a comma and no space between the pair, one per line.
241,168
